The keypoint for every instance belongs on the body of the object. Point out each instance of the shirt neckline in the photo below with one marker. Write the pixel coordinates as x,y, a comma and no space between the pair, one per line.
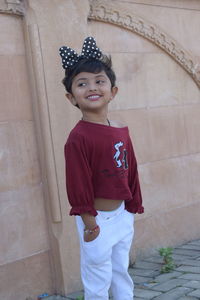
101,125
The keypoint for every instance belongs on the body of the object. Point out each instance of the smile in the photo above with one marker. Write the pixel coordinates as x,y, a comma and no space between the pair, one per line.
93,97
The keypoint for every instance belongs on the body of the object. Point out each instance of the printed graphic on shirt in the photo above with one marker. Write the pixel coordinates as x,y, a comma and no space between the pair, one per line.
125,159
121,156
117,154
120,162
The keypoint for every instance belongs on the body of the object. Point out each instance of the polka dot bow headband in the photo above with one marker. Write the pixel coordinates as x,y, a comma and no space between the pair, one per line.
89,50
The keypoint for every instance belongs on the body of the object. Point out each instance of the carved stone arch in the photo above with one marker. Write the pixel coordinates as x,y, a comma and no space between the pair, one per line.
15,7
105,12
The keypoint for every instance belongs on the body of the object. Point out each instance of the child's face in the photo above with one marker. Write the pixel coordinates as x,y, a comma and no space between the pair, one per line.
91,91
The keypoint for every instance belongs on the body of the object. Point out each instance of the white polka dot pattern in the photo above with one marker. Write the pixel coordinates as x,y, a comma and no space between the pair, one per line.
89,50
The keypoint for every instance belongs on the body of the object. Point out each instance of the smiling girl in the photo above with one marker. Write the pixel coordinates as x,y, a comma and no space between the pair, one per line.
101,175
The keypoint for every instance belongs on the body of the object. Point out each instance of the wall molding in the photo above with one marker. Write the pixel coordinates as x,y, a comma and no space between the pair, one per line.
15,7
104,11
41,105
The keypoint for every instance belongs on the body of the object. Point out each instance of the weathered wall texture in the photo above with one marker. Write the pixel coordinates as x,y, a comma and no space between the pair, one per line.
155,50
161,104
24,247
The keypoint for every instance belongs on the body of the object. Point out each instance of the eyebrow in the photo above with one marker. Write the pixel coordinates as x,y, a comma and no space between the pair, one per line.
83,78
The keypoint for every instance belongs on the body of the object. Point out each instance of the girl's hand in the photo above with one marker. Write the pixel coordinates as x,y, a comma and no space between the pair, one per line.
91,236
92,230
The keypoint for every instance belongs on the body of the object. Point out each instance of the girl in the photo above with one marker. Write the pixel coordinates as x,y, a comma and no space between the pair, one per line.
101,175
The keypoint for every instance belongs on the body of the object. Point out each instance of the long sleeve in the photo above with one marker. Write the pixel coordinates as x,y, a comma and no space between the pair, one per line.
135,205
79,178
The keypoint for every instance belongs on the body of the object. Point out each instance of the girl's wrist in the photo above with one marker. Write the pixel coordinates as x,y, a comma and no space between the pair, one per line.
91,231
89,221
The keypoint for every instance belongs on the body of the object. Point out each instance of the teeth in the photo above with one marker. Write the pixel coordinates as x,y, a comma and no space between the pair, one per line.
93,97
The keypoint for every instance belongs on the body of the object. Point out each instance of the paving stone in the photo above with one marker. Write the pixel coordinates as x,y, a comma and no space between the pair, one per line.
192,284
188,298
191,262
185,252
191,277
154,259
197,242
169,285
178,258
174,294
146,285
190,247
143,272
141,279
147,265
56,298
75,295
195,293
189,269
150,284
141,293
167,276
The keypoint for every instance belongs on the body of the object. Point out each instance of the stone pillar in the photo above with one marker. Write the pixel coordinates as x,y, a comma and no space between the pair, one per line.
50,25
24,248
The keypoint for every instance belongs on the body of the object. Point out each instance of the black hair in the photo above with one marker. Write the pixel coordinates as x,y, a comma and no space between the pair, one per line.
90,65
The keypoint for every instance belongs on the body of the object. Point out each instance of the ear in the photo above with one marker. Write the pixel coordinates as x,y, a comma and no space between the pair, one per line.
71,98
114,91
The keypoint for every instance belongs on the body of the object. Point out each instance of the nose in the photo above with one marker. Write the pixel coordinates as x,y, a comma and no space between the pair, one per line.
92,87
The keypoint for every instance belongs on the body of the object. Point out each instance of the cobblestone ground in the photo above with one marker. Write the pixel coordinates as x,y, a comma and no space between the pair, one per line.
183,283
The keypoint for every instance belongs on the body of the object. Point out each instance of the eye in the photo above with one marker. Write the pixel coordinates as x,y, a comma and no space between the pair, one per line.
100,81
81,84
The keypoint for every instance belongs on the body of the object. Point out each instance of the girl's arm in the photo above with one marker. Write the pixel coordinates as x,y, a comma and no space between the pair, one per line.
90,223
79,177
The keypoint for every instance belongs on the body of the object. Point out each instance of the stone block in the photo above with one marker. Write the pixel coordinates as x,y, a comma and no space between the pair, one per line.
19,158
190,247
167,276
74,296
140,279
56,297
194,284
195,293
15,100
25,208
26,278
190,262
189,269
123,42
197,242
147,265
188,298
142,272
164,182
174,294
133,69
169,285
186,252
11,35
144,294
194,277
154,259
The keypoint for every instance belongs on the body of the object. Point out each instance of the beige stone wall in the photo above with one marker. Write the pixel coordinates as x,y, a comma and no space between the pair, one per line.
161,104
159,98
24,247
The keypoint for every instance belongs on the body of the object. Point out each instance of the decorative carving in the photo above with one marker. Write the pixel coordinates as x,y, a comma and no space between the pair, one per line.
15,7
105,12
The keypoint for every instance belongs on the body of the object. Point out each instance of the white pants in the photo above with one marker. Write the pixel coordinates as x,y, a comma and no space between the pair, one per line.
105,261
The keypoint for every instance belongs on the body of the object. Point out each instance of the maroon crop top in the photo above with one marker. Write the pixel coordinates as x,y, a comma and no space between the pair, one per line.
100,163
